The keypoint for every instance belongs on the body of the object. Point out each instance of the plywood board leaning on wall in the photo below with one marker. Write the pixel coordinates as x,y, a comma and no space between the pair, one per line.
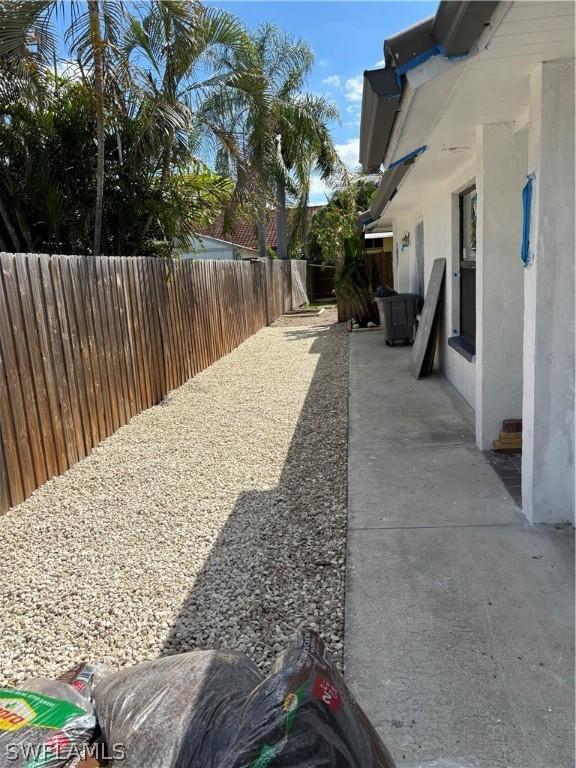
423,351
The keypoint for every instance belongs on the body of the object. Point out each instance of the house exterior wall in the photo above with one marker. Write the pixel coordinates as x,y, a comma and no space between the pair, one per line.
549,290
525,320
209,248
439,216
500,175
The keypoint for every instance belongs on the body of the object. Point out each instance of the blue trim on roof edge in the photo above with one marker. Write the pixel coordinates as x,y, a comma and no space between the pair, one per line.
416,61
409,156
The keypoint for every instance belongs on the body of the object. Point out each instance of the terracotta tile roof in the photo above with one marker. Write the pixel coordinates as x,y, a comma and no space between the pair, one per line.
244,231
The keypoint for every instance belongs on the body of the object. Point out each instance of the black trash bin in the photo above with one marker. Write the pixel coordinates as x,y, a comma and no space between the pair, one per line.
398,317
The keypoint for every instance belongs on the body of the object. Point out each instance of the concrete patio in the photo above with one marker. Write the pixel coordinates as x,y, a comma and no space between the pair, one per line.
459,615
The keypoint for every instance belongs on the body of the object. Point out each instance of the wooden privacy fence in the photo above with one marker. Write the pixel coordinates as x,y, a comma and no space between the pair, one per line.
86,343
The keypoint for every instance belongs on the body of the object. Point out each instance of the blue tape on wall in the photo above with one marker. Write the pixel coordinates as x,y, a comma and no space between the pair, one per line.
525,254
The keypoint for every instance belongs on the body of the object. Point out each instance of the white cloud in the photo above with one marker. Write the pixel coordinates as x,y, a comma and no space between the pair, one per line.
323,63
349,152
353,109
333,80
380,63
354,88
68,69
319,190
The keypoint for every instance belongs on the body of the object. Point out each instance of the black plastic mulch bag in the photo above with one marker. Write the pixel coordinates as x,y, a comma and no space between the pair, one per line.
175,711
212,709
304,716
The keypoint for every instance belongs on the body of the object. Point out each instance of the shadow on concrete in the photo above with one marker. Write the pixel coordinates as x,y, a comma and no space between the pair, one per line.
278,562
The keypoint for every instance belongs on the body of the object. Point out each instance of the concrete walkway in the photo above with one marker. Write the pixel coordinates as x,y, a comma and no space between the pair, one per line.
459,616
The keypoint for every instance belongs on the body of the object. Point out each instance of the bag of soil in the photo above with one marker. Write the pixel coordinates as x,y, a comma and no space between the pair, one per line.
46,723
212,709
304,716
176,711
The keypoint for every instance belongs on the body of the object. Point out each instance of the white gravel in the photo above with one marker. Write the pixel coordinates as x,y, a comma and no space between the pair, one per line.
216,519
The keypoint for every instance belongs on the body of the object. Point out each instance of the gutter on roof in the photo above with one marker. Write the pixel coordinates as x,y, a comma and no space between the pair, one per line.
391,180
380,102
451,33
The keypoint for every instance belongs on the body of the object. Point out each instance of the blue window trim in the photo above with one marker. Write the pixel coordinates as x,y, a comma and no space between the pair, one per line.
525,253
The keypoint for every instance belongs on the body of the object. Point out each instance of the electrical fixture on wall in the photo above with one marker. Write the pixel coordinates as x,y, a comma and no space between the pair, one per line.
406,240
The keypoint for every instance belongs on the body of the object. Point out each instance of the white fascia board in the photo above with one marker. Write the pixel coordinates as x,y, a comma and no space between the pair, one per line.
374,235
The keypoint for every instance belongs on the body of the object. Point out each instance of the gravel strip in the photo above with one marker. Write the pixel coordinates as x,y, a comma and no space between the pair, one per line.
327,317
215,519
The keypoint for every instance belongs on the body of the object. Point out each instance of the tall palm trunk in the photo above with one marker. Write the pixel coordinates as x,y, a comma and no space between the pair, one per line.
305,232
94,15
9,227
281,220
262,225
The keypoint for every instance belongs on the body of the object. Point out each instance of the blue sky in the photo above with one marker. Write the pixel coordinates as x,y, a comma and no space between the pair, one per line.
347,38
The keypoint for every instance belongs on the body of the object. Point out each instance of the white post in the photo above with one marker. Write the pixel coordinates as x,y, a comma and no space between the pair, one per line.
549,291
501,170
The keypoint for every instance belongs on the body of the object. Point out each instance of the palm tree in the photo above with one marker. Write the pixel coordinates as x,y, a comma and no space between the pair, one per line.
305,146
284,133
27,44
170,50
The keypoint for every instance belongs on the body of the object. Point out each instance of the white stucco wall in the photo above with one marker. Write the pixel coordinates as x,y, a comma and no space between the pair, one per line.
440,219
403,257
500,176
549,290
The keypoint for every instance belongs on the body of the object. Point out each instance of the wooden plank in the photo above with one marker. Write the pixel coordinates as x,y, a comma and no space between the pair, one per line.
422,356
81,311
37,367
4,480
134,326
177,332
83,282
204,309
127,341
95,295
76,344
30,421
57,355
68,355
45,352
201,307
188,318
160,287
155,330
117,340
14,436
145,312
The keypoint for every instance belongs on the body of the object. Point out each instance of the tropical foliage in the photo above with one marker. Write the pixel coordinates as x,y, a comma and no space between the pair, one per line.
101,146
337,222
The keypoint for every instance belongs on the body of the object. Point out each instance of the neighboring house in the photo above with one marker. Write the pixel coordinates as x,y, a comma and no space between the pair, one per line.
241,242
473,120
218,248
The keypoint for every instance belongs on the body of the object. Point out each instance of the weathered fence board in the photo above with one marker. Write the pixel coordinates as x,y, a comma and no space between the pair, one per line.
87,343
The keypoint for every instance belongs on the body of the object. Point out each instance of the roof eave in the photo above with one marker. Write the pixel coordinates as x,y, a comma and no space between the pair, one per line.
452,33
